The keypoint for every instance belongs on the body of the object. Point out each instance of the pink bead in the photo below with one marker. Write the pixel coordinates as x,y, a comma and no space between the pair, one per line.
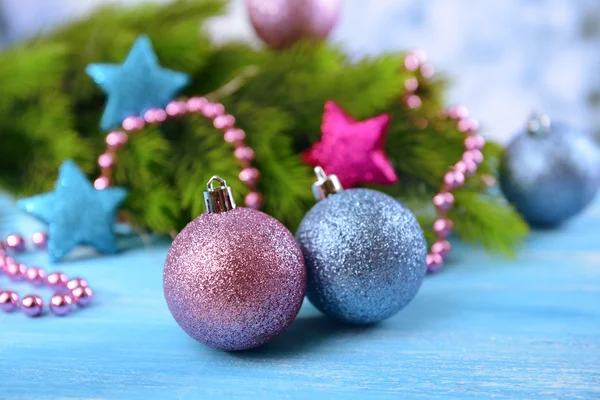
454,179
107,160
36,276
225,121
76,283
57,280
133,123
9,301
458,112
32,305
443,201
475,142
116,139
461,167
234,135
475,156
155,115
102,182
253,200
467,125
413,101
213,110
196,104
434,262
40,240
411,62
245,154
411,84
471,167
441,247
82,296
249,176
427,71
15,272
61,304
421,55
176,108
15,242
442,227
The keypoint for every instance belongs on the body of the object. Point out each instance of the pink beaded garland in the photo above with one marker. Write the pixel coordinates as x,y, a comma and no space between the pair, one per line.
455,177
177,108
67,291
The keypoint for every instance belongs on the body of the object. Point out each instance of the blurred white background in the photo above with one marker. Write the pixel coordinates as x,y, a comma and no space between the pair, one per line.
506,58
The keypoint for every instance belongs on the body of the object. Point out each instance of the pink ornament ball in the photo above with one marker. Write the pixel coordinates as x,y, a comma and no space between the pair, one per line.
234,280
61,304
32,305
281,23
9,301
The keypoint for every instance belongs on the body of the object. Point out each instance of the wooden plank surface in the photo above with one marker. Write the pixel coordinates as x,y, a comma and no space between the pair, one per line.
486,326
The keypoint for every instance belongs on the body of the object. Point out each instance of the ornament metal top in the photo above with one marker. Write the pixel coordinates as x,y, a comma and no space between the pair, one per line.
364,252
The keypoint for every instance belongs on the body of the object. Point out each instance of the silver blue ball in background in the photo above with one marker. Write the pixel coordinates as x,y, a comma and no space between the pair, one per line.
550,172
365,255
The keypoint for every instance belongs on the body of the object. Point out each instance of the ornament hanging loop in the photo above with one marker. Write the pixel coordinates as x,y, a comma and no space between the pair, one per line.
218,199
539,125
326,185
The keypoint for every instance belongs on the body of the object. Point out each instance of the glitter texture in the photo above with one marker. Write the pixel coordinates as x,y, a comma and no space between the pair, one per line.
552,176
76,213
365,255
234,280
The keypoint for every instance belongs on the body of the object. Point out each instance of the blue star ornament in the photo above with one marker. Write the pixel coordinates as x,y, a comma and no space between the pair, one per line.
76,213
137,85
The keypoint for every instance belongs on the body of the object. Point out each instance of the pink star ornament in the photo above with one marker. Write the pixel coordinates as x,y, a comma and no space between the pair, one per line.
353,150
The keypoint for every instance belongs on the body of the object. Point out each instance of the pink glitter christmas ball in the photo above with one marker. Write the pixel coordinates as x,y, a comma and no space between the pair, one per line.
281,23
234,280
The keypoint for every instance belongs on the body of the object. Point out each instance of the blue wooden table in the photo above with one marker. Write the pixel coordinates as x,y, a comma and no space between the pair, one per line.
486,326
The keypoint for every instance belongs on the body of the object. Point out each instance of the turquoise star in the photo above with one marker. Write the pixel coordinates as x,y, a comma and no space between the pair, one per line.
76,213
137,85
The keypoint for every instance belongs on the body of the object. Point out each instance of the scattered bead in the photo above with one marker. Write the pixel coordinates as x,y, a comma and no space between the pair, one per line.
225,121
76,283
443,227
434,262
234,135
40,240
244,154
15,272
427,71
196,104
474,142
253,200
133,123
458,112
441,247
475,156
176,108
32,305
57,280
36,276
443,201
155,115
82,296
413,101
454,179
107,160
249,176
15,242
213,110
9,301
102,182
116,139
411,84
61,304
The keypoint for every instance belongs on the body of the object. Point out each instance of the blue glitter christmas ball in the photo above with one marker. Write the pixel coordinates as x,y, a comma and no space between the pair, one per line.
550,173
365,255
